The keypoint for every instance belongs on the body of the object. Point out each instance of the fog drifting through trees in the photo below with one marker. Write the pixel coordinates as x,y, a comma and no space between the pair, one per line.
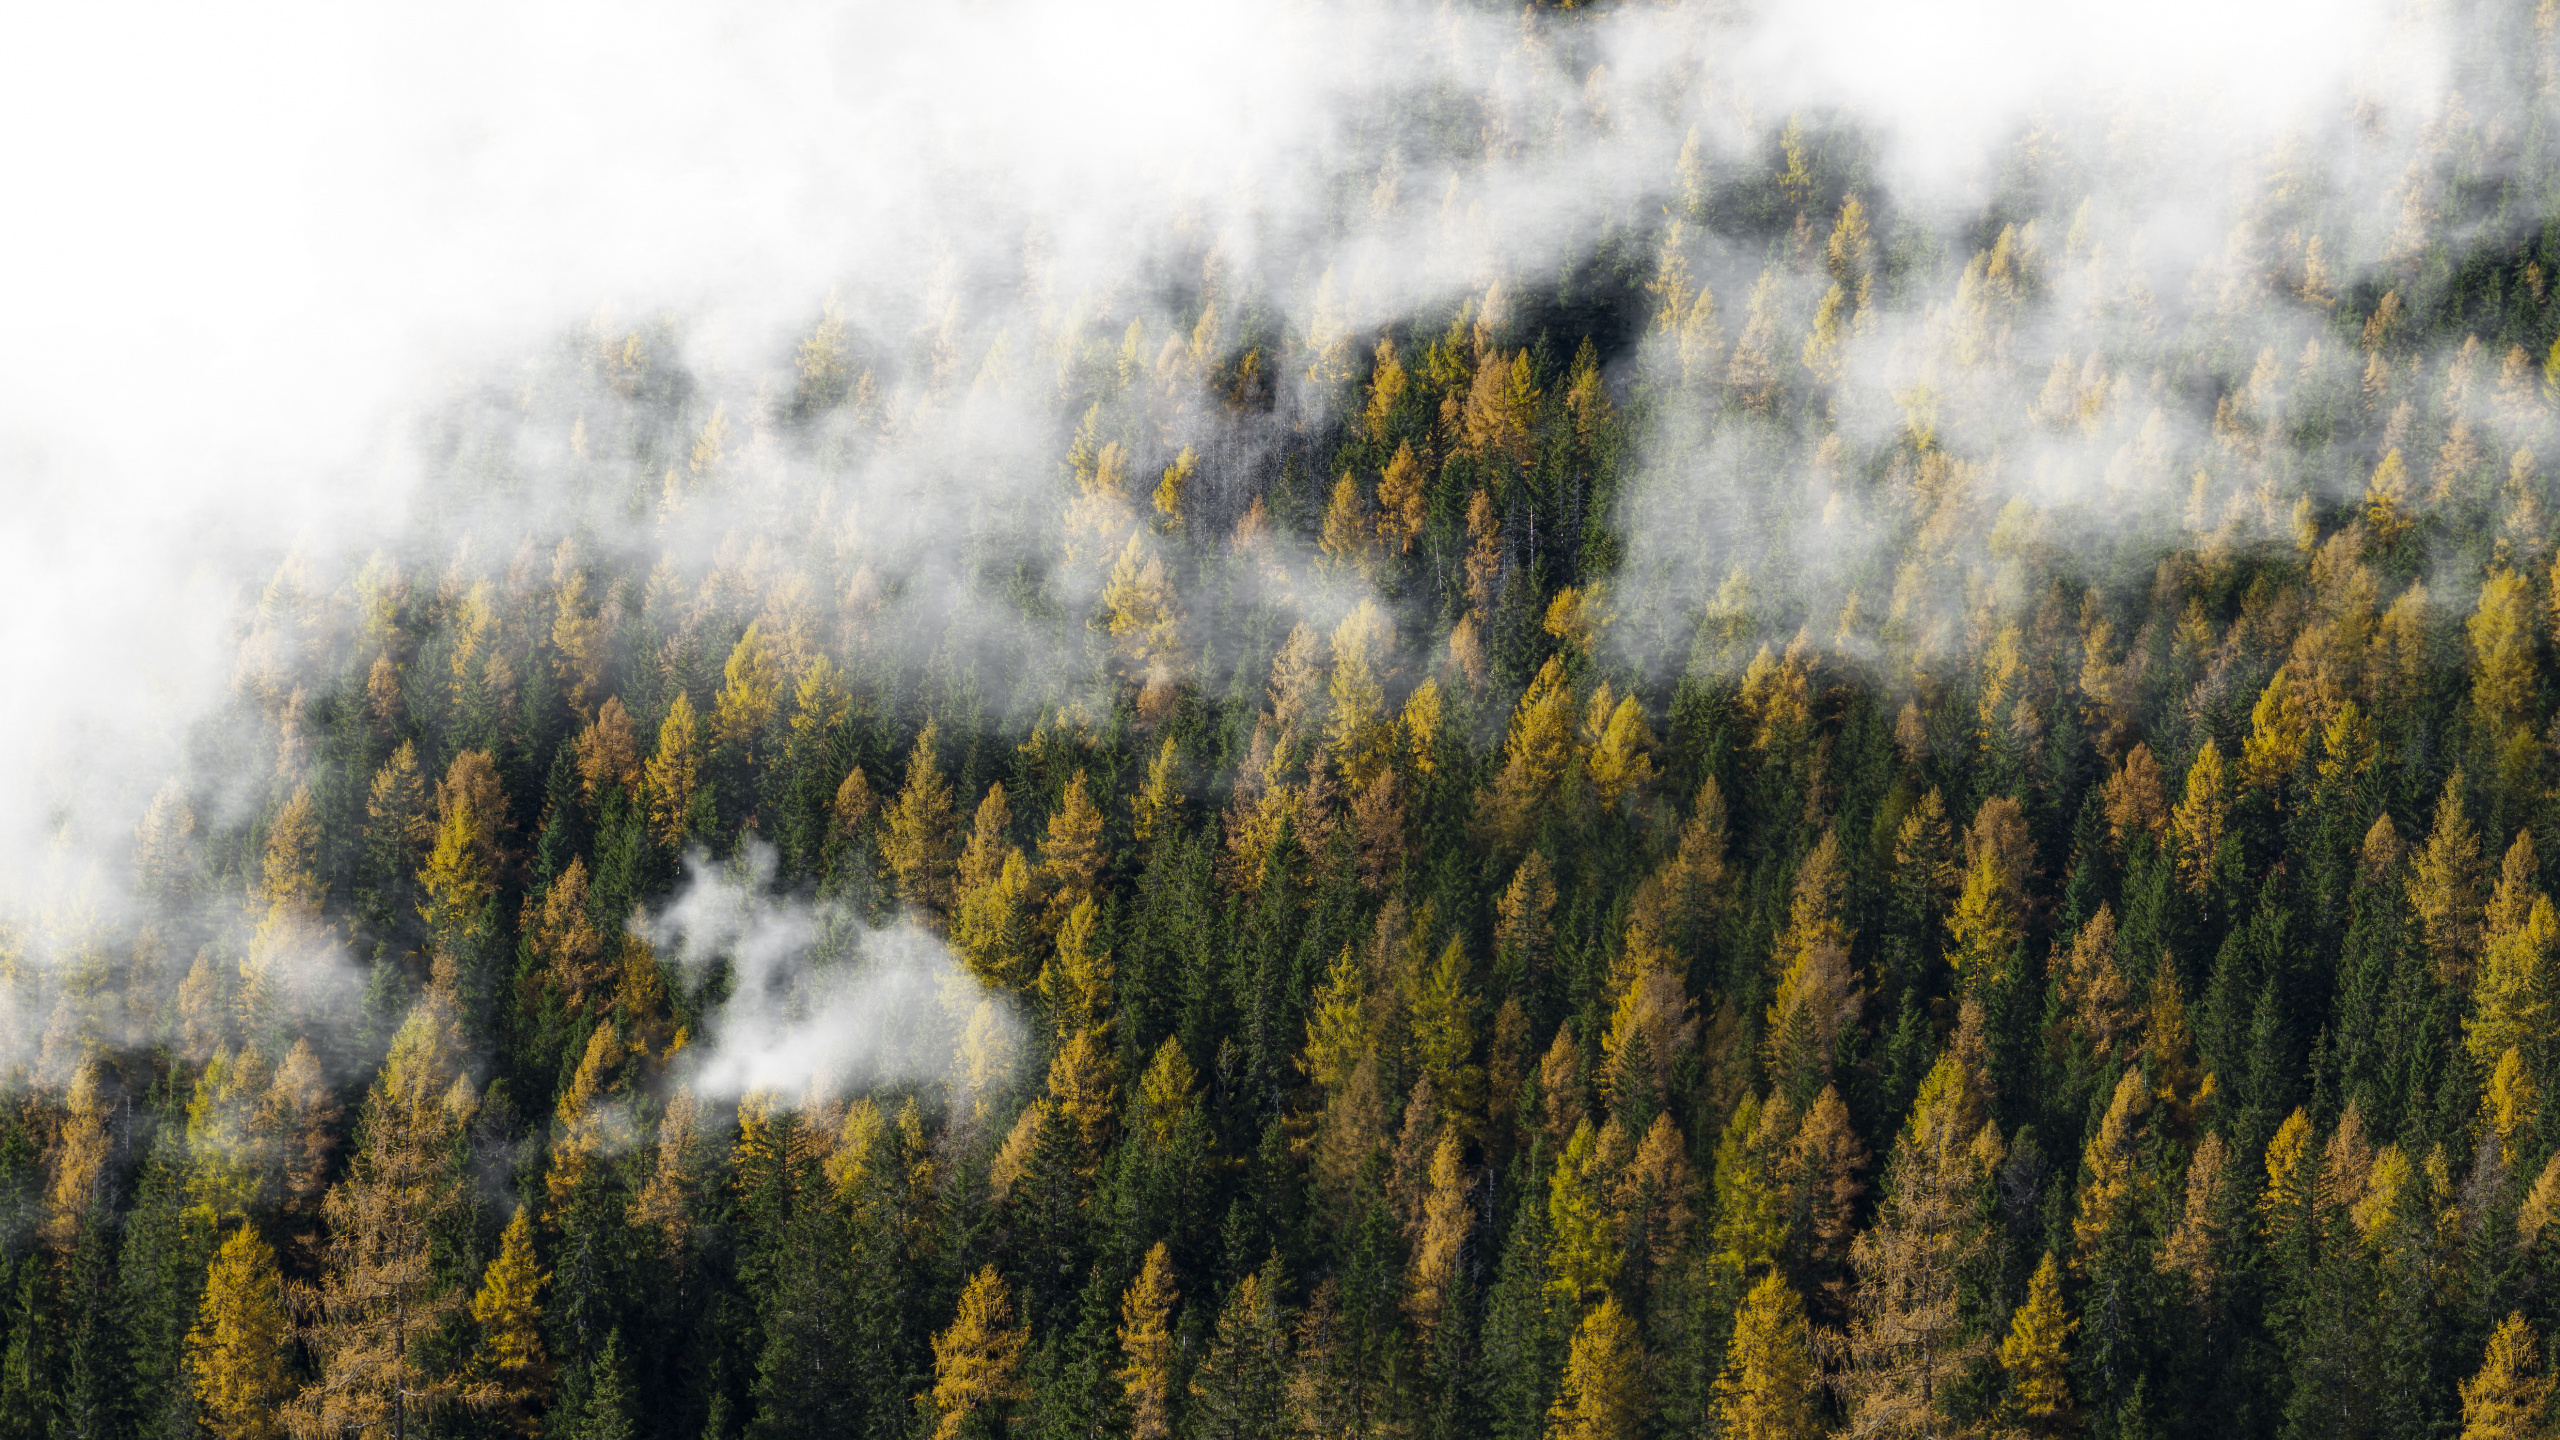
1336,720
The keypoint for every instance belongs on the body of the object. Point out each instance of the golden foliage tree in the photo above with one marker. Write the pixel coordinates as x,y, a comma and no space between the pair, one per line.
608,752
461,872
590,1126
1138,605
378,1293
1358,728
2444,888
977,1362
508,1310
396,816
1535,751
2111,1193
2502,641
2198,822
2511,1002
673,772
240,1353
1619,758
1443,1229
1402,499
918,841
1603,1395
1072,855
2096,993
750,692
1768,1388
1349,540
2035,1354
1076,982
1583,1255
1147,1346
2279,726
1908,1338
2509,1398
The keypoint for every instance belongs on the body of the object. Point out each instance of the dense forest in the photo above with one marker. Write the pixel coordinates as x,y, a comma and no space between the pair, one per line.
1819,817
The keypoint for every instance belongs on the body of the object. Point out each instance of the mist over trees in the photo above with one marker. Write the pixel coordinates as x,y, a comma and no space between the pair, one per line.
1736,802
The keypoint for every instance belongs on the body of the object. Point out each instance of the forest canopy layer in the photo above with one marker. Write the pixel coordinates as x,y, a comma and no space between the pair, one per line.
1591,759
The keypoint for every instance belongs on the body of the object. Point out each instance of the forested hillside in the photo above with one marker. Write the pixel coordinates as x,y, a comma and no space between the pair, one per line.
1822,816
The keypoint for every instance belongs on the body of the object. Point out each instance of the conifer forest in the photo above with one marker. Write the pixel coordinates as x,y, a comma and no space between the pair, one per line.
1583,766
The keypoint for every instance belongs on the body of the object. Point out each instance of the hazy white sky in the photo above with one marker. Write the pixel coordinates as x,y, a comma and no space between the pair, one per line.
244,240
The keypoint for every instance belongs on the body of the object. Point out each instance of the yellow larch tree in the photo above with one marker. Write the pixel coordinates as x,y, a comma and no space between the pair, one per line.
673,772
1990,909
1502,408
1442,1231
1076,983
240,1352
1402,500
2510,1104
991,925
1387,383
2285,1202
1443,1029
819,706
2509,1398
1769,1386
2503,672
1603,1394
1816,992
2511,899
1139,614
1072,856
2095,991
1907,1336
2110,1195
2511,1002
1536,750
590,1126
2279,726
608,752
1158,803
508,1310
296,1126
750,692
2194,1246
1173,488
1164,1093
2036,1352
461,872
1583,1255
397,820
918,842
1357,729
1653,1024
1484,571
379,1292
2444,888
76,1161
977,1362
1147,1346
1619,760
1419,727
1750,1209
2347,745
2198,822
1349,539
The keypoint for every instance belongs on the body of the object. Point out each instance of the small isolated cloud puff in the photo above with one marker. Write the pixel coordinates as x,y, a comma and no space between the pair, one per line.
816,1002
